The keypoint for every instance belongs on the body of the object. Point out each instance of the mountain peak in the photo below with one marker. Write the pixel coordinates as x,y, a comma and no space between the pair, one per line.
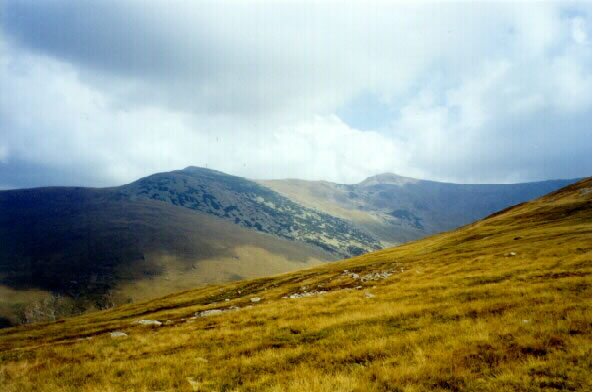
204,170
388,178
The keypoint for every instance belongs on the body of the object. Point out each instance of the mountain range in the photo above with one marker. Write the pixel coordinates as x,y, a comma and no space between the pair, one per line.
67,250
501,304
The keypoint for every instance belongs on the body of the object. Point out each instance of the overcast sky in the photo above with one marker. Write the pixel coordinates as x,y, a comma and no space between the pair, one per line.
101,93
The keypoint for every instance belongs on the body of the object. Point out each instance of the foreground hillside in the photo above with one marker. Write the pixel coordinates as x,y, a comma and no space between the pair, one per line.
500,305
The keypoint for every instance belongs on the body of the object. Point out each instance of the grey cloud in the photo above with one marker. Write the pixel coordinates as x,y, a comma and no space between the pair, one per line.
103,92
239,58
194,56
23,174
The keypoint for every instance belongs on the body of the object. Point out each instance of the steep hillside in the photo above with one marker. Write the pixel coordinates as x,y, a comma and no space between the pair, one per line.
251,205
498,305
395,209
67,250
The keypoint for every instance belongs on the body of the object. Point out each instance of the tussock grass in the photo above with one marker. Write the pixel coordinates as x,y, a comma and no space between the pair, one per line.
458,313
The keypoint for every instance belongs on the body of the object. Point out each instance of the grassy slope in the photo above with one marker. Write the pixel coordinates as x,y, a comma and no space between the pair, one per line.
458,313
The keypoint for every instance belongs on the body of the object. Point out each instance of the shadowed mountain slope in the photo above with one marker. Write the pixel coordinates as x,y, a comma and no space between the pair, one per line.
92,248
501,304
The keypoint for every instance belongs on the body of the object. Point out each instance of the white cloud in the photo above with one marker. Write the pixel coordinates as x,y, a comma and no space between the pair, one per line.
66,123
579,31
494,92
572,83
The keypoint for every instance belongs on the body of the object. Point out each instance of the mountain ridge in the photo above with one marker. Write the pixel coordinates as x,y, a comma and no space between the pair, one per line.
495,305
388,178
74,249
249,204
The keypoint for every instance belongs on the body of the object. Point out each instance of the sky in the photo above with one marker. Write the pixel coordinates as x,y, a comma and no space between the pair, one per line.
101,93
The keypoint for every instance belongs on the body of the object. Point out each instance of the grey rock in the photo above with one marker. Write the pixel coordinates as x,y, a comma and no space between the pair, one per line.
155,323
306,294
376,276
210,312
214,312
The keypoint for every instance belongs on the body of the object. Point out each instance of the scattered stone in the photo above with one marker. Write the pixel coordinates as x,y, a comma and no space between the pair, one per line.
255,299
306,294
358,287
526,321
350,274
155,323
210,312
213,312
226,299
201,359
511,254
195,385
584,191
118,334
370,295
376,276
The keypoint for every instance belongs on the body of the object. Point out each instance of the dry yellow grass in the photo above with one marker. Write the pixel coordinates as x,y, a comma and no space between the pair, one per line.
504,304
